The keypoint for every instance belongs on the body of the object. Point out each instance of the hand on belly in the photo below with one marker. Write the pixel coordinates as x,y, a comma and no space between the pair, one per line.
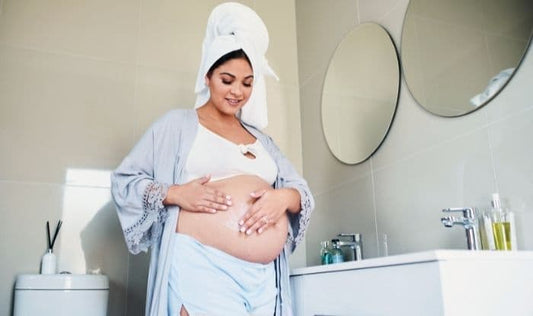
222,230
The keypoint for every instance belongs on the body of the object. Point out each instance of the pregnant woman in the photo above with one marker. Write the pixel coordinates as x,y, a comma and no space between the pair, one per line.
211,195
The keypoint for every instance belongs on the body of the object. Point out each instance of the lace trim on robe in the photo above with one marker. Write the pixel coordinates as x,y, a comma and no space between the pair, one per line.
149,227
304,217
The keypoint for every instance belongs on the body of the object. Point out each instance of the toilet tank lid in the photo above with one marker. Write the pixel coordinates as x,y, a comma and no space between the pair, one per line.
62,282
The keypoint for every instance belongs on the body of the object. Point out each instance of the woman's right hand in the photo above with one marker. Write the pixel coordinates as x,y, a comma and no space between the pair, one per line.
195,196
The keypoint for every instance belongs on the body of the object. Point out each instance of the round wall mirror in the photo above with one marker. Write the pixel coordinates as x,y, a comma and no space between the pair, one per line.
458,55
360,93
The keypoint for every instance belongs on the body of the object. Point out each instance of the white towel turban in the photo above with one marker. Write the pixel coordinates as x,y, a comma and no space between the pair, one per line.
233,26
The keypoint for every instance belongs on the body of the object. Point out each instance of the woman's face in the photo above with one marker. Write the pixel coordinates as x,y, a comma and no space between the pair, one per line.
230,85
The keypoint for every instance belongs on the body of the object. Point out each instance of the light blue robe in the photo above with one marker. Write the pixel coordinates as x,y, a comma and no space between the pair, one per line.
140,184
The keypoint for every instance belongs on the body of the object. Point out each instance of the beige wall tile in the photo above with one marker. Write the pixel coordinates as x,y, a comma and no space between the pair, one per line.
171,33
99,29
60,112
285,128
282,52
159,90
512,145
411,193
318,36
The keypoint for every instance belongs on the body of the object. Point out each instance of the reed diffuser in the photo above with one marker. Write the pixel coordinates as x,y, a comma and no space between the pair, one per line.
49,261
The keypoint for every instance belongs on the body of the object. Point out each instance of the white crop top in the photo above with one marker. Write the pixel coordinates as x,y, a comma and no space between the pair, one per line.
213,154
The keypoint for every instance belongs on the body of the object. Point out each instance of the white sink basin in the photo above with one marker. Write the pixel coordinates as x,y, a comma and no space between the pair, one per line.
439,282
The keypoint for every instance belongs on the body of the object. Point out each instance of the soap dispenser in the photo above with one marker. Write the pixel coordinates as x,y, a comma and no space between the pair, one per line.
337,255
325,252
503,225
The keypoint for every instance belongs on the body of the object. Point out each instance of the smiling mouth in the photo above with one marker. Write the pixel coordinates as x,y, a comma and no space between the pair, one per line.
233,101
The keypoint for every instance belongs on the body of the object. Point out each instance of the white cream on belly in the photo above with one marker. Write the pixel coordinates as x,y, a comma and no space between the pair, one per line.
234,216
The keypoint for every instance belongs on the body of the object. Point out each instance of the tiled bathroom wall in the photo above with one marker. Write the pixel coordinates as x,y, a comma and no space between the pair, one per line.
425,164
80,81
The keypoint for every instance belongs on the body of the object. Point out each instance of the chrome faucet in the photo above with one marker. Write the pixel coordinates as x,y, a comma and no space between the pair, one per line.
355,244
468,220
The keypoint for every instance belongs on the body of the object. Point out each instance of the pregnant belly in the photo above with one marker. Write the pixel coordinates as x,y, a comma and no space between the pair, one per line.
221,230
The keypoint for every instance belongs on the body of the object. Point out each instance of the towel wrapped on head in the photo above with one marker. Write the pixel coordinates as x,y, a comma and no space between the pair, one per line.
233,26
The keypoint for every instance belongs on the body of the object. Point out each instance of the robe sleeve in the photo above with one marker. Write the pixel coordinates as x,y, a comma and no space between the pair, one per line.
138,196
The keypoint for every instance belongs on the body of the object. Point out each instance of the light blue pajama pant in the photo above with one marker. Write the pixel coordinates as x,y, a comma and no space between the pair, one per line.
208,281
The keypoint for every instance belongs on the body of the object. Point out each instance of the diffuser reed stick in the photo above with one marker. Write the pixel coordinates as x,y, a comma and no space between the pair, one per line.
51,242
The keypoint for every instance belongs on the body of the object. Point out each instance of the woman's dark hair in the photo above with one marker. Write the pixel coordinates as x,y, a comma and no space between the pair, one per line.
236,54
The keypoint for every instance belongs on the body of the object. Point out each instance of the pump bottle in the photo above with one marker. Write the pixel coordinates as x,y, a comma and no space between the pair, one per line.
337,255
503,225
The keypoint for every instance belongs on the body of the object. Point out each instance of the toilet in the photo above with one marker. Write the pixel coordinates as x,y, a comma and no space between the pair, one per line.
61,295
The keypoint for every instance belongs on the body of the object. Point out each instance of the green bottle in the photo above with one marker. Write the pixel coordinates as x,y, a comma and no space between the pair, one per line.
325,252
337,255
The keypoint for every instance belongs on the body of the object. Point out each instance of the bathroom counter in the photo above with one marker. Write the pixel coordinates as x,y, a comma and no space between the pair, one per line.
437,282
416,257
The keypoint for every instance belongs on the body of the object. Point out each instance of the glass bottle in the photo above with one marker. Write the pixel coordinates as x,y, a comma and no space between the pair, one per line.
501,225
325,252
337,255
485,229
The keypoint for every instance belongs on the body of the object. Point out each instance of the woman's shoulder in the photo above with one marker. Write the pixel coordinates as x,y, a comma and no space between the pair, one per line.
178,115
175,118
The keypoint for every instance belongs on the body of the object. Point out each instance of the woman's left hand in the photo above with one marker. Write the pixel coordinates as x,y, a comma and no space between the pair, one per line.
270,205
